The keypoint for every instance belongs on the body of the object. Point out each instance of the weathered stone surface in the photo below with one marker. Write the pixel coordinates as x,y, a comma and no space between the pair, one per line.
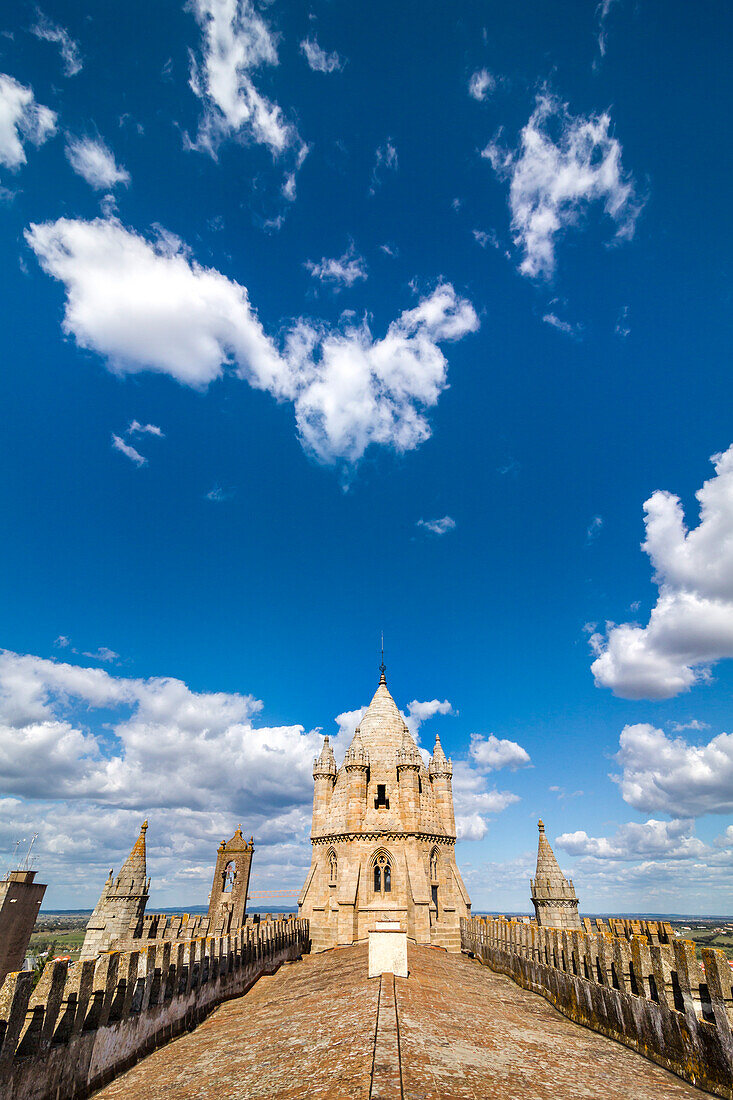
387,951
453,1029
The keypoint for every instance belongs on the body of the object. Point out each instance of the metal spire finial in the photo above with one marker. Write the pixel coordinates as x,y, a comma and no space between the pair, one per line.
382,667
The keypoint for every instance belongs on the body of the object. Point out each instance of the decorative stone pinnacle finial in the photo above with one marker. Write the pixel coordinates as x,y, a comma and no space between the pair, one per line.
144,826
541,825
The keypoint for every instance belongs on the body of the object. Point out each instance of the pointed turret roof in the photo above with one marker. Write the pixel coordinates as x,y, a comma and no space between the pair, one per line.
134,867
383,727
548,869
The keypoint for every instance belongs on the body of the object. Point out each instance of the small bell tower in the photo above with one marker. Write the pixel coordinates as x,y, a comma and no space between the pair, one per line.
228,897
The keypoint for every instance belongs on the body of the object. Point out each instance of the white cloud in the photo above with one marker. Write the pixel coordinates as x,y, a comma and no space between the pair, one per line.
481,84
622,324
691,625
486,238
217,495
45,29
344,271
419,712
103,653
562,165
385,159
21,120
693,724
318,59
62,641
136,428
146,305
672,776
576,331
648,840
128,450
491,753
437,526
94,162
594,529
236,41
472,800
602,12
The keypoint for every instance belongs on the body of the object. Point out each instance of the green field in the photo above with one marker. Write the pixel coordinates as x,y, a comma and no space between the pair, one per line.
708,937
62,941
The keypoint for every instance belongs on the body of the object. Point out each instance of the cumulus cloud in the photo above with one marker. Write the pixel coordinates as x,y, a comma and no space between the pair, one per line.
147,305
473,801
672,776
49,31
21,120
437,526
481,84
491,753
562,164
236,42
636,840
385,159
318,59
94,162
159,728
691,624
344,271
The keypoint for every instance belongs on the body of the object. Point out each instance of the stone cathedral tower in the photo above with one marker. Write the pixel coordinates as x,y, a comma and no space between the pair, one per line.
383,837
553,895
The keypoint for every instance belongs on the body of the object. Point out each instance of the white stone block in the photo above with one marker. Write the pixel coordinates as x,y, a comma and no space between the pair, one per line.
387,950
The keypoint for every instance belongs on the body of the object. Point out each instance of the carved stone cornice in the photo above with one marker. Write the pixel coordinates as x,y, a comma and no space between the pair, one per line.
384,834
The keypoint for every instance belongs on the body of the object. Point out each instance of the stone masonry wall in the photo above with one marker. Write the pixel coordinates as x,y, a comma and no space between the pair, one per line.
86,1022
653,997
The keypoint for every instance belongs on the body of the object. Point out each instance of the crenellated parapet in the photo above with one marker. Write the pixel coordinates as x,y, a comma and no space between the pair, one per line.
653,996
88,1021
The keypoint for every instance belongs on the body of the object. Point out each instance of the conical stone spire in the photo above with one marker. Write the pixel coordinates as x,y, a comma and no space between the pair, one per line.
325,762
553,895
134,870
382,728
121,906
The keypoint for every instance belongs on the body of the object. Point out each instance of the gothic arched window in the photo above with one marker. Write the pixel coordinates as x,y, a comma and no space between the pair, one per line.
434,865
382,873
228,878
332,866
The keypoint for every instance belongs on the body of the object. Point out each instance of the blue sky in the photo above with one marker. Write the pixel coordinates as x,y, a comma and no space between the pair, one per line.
325,321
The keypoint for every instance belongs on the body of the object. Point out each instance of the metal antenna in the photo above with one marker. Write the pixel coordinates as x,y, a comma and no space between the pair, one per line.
26,865
13,862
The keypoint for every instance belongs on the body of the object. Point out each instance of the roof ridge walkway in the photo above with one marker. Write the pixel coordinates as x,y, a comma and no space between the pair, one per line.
320,1029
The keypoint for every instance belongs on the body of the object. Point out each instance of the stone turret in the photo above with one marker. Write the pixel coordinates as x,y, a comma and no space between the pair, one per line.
356,766
409,763
324,776
553,895
121,907
441,776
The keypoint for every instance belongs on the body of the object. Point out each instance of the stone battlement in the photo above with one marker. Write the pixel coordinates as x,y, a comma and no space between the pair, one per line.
647,993
88,1021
